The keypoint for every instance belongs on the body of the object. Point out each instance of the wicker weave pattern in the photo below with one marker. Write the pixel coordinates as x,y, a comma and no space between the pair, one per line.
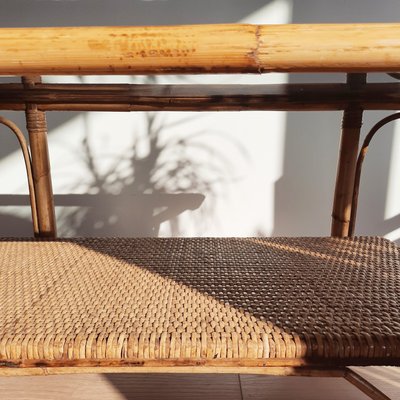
199,298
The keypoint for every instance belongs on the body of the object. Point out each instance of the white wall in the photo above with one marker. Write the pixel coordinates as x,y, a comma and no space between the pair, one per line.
248,173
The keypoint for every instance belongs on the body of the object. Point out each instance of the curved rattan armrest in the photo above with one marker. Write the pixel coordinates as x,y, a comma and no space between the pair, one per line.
28,166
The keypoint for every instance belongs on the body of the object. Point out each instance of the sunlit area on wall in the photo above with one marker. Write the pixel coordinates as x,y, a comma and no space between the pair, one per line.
165,173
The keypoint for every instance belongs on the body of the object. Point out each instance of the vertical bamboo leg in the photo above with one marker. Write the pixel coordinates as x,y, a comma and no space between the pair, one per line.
351,125
362,384
37,129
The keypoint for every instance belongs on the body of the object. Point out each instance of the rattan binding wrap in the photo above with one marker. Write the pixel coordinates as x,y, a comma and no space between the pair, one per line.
199,299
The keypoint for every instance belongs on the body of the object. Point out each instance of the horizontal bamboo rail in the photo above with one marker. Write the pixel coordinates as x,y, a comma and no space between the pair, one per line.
124,97
229,48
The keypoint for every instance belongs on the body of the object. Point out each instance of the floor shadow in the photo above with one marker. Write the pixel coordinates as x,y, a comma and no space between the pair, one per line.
176,386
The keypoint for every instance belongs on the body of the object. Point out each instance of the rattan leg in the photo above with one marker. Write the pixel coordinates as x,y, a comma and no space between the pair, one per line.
351,125
37,129
365,386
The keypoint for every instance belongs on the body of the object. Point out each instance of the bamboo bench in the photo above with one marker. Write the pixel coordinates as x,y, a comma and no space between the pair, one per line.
287,306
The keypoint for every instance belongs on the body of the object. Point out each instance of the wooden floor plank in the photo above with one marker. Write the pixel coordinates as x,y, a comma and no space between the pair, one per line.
387,379
177,386
193,386
121,387
258,387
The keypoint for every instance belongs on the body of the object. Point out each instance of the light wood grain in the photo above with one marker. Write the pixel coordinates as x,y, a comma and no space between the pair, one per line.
328,47
228,48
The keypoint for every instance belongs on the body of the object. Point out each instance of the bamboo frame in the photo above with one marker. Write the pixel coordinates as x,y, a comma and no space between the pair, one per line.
229,48
354,97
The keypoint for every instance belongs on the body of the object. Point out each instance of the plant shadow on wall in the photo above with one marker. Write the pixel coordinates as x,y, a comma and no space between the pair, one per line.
139,191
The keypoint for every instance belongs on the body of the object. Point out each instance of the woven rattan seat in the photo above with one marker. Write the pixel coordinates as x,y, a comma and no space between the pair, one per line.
199,299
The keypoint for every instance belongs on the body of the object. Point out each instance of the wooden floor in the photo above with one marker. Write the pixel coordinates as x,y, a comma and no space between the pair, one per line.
193,387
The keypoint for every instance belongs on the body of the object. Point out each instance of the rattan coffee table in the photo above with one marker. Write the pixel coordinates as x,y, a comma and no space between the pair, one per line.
279,306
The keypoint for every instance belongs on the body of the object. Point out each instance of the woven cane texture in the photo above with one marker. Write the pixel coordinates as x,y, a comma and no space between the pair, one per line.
211,298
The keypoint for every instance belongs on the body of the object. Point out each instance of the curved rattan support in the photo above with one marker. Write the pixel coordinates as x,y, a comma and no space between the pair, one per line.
28,166
361,156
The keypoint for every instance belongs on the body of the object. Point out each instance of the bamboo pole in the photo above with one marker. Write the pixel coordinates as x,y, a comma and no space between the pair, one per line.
351,125
229,48
37,129
125,97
